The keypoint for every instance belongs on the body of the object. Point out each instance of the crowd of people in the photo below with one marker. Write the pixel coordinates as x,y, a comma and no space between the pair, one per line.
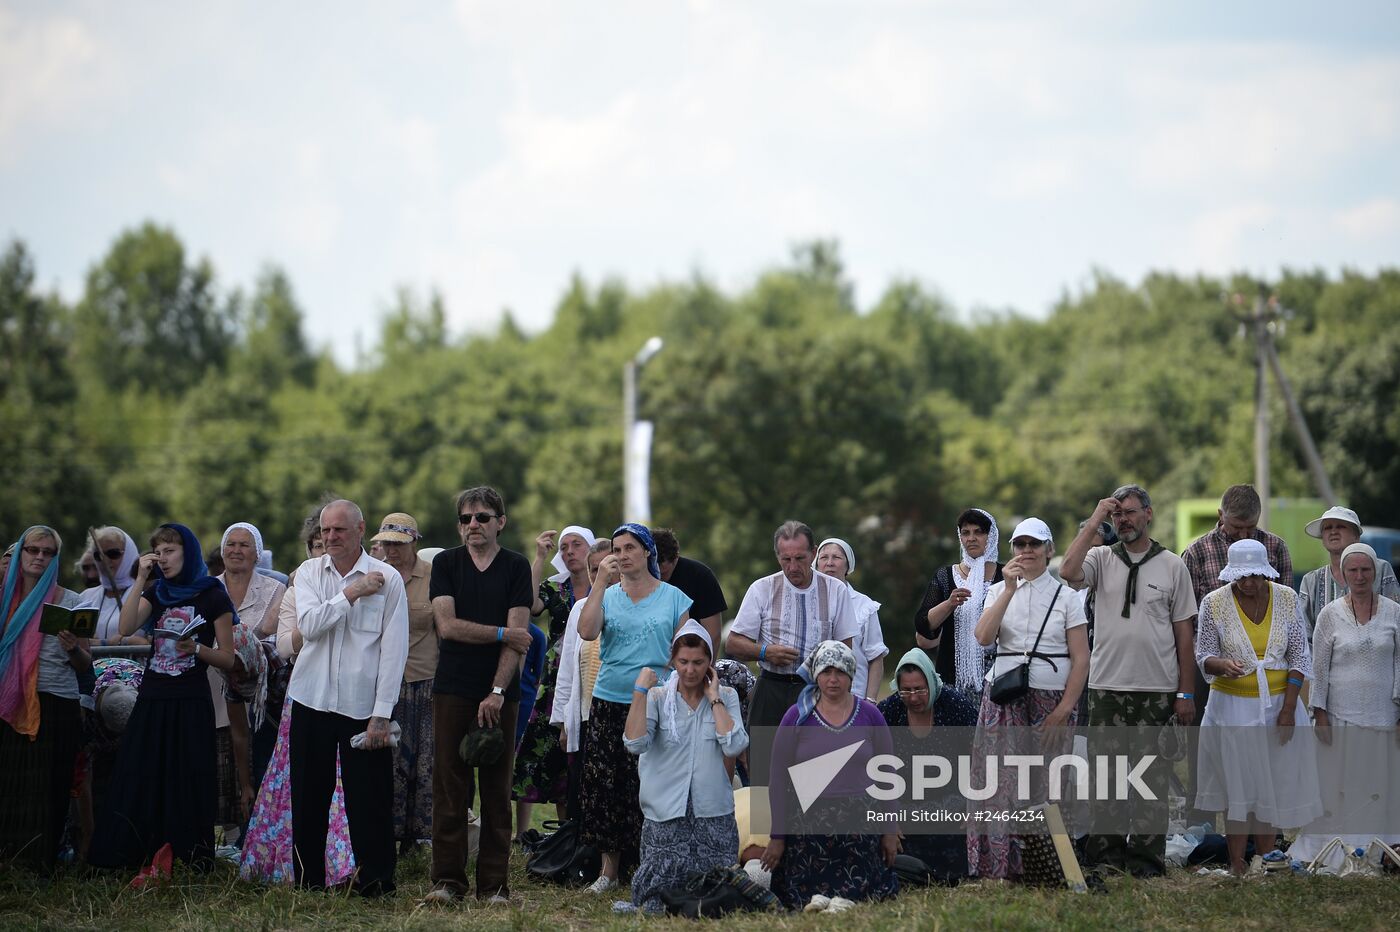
326,723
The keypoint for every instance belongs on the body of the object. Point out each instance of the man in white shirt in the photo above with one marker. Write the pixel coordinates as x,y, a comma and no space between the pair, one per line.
353,616
783,618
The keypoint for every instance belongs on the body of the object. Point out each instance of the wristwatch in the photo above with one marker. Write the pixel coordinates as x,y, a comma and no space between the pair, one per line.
498,691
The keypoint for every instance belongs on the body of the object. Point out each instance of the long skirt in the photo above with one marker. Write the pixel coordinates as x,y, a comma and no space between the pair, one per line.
413,762
36,781
1244,771
1357,775
612,813
267,849
541,766
228,809
675,849
163,788
833,865
992,851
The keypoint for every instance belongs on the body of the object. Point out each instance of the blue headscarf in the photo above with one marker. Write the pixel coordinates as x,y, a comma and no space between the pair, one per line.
644,538
27,609
193,578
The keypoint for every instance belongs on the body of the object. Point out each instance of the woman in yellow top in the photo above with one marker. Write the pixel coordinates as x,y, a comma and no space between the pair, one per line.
1256,762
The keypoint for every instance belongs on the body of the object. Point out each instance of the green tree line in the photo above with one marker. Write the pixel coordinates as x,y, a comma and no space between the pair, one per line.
163,394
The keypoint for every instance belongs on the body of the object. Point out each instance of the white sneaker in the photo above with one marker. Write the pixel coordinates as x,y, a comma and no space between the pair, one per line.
496,899
603,884
839,904
818,905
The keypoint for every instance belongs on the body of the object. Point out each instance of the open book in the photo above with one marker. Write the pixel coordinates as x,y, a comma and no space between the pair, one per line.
81,621
179,633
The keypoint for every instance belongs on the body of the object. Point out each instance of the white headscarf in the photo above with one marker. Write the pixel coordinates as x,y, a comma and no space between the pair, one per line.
562,571
670,691
252,532
124,577
845,548
968,655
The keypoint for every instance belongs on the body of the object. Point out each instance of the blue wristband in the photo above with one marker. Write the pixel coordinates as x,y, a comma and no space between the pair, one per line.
1185,696
762,651
500,635
1295,682
639,689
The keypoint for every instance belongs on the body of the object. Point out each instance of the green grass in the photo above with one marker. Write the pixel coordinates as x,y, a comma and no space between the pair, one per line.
220,901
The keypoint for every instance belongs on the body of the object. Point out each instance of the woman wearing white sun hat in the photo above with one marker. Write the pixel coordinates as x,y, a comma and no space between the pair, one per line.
1256,762
1338,528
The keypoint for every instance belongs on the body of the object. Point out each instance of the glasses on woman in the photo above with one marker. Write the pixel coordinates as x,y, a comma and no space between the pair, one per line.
911,693
40,551
114,554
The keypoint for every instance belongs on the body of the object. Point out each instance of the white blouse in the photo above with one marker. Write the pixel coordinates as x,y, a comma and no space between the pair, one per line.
1021,624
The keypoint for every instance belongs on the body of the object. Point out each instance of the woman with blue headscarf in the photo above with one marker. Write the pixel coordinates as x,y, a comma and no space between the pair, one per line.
635,619
42,727
165,786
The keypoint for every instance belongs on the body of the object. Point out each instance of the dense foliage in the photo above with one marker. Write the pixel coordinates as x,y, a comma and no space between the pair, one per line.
163,396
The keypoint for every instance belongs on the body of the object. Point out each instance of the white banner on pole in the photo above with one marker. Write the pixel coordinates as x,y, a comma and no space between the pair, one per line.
637,493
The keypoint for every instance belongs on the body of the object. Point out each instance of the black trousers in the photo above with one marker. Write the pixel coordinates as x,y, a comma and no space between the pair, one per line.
368,780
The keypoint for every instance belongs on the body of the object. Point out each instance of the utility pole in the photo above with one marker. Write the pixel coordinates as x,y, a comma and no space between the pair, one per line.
1267,315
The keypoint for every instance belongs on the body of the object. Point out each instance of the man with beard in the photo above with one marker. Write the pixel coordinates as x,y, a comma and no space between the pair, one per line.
1142,669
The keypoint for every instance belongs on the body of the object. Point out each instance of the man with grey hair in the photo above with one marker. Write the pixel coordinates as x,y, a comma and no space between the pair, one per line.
1237,519
352,613
1142,669
783,618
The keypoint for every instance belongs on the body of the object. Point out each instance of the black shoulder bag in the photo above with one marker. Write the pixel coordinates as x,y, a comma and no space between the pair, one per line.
1016,682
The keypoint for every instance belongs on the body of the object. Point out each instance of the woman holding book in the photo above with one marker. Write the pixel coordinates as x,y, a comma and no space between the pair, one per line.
42,727
165,786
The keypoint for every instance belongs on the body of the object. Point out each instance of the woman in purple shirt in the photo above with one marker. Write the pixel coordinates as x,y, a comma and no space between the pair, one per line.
812,853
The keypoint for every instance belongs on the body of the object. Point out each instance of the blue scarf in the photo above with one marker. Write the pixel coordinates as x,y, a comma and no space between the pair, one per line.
193,578
644,538
27,609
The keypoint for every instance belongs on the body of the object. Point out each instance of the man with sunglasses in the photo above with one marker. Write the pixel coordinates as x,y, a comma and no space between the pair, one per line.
1142,670
481,595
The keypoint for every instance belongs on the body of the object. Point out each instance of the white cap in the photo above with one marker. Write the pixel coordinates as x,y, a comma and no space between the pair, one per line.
1033,527
1335,513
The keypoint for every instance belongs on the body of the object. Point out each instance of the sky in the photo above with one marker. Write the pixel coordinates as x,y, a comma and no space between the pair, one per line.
999,153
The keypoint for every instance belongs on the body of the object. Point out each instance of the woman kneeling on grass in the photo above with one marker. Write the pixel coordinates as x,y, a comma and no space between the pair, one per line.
682,732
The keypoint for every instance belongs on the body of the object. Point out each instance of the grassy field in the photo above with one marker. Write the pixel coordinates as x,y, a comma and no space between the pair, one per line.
220,901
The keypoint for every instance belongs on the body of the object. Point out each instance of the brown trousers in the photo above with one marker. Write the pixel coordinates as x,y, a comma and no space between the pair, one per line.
454,785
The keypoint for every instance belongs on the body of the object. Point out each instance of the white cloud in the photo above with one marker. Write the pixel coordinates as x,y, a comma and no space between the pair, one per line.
49,69
1375,218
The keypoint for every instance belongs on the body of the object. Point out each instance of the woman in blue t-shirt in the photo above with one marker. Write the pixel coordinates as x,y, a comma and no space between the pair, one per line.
164,787
635,614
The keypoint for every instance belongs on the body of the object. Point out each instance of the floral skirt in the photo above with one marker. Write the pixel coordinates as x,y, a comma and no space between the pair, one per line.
413,762
849,866
675,849
612,812
541,766
993,851
267,849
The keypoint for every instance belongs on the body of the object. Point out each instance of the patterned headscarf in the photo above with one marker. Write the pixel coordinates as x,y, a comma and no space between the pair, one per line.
671,691
193,577
252,531
968,655
19,648
827,654
645,539
253,687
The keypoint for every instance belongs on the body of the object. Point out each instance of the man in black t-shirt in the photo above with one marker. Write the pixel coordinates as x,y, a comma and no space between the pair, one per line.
693,578
481,597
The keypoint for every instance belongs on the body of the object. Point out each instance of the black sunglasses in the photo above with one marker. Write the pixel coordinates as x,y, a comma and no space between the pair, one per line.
114,554
481,517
